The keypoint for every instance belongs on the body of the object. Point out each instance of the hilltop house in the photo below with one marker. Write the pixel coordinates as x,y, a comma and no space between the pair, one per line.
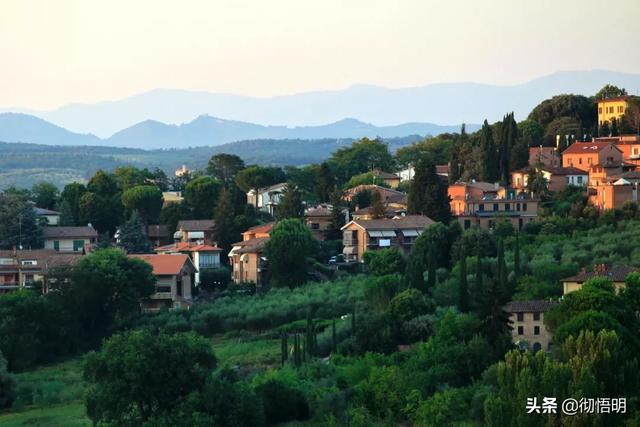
616,274
359,236
392,198
69,239
19,269
558,178
527,320
195,230
318,219
47,216
204,257
266,199
390,179
245,257
173,273
546,156
611,108
482,204
583,155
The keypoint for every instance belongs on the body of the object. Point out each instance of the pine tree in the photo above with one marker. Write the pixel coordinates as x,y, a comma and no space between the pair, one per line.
325,182
507,144
132,237
463,298
290,205
66,215
104,241
377,207
225,233
428,193
488,155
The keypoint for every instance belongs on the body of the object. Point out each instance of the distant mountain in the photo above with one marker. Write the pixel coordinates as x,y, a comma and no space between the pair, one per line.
25,128
212,131
203,131
446,103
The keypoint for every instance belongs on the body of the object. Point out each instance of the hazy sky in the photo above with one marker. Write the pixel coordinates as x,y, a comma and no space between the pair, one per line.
56,52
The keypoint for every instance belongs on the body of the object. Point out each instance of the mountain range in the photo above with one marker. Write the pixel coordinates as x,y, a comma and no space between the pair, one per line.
443,103
202,131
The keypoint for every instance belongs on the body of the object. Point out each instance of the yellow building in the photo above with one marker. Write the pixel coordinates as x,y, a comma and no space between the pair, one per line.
611,108
616,274
527,323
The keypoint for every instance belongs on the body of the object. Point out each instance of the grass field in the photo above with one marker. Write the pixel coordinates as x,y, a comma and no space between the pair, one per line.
52,395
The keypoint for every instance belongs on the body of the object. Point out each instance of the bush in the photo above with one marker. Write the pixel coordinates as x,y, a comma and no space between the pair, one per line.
7,385
282,402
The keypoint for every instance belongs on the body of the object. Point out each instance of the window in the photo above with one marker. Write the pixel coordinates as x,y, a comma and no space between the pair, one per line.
518,207
507,207
78,245
481,207
524,206
520,330
495,207
536,316
163,288
315,226
536,330
579,180
600,110
467,224
520,317
537,347
580,160
56,245
30,262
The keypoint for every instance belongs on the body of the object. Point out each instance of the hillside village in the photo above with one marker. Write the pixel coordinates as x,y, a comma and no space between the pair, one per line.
476,244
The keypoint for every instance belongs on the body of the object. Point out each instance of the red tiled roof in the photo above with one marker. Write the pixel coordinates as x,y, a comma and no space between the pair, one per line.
262,228
587,147
187,247
616,274
614,98
164,264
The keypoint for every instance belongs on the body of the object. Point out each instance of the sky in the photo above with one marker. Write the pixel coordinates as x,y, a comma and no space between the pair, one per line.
58,52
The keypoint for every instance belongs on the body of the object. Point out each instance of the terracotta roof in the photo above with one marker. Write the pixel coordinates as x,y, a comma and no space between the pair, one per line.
616,274
530,306
564,171
250,246
69,232
402,223
320,210
588,147
262,228
164,264
614,98
196,225
187,247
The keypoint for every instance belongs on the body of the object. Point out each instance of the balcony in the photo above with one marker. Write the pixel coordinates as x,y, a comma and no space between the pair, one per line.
161,295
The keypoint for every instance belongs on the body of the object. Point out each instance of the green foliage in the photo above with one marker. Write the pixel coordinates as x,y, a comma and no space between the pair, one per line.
384,261
290,205
132,237
282,402
489,167
437,148
407,305
201,195
289,245
129,376
367,178
45,195
428,193
146,199
7,385
224,167
254,177
18,225
71,195
361,157
225,232
610,91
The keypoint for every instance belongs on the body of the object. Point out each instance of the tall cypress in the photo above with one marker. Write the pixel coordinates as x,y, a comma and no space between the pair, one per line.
463,301
516,257
488,155
431,279
428,193
284,348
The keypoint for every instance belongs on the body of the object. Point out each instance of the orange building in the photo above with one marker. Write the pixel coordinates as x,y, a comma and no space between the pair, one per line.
246,258
481,204
612,195
547,156
583,155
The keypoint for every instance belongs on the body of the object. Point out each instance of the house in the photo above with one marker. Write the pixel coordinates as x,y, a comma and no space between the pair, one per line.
158,234
616,274
69,239
527,323
547,156
266,199
182,171
173,274
389,212
204,257
24,268
245,257
390,179
408,173
583,155
481,204
47,216
170,197
359,236
611,108
629,145
195,230
558,178
318,219
389,196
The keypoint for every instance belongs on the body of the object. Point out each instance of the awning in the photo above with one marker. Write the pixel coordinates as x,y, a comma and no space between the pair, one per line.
375,233
410,233
388,233
350,250
196,235
177,235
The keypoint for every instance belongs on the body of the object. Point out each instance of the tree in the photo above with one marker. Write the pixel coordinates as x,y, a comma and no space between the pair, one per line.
254,177
201,194
367,178
66,216
614,127
610,91
428,194
146,199
7,385
45,195
362,199
71,194
378,209
532,132
290,205
289,245
463,288
516,257
337,216
18,224
604,129
536,183
104,291
489,166
508,143
456,160
129,176
128,377
362,156
132,237
224,167
384,261
325,182
225,232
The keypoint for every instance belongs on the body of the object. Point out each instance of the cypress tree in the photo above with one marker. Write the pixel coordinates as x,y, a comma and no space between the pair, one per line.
478,283
463,301
428,193
516,257
431,275
614,127
296,350
488,154
284,348
377,207
304,349
353,322
334,340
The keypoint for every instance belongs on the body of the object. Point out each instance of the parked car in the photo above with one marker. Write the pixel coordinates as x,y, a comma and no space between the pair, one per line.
336,259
